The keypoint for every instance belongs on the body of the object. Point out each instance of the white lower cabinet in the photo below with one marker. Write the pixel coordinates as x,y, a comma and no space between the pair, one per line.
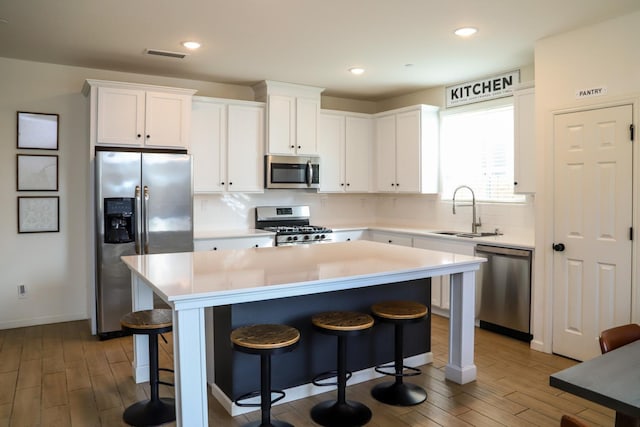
391,238
232,243
440,294
348,235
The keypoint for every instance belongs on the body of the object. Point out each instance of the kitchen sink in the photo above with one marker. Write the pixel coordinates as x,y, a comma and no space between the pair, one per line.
467,234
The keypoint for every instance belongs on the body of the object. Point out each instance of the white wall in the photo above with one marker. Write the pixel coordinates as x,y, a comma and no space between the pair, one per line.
605,54
54,266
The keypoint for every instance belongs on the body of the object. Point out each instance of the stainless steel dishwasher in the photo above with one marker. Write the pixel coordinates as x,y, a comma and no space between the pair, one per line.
503,286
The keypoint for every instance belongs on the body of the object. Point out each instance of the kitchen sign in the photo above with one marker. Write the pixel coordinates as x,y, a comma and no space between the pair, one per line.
591,92
482,90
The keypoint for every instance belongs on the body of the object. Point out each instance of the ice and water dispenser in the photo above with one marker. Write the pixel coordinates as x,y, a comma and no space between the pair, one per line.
119,220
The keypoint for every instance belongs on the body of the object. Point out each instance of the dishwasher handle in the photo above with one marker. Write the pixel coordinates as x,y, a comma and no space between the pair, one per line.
503,251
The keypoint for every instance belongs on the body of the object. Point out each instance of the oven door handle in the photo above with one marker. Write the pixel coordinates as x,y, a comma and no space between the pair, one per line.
309,173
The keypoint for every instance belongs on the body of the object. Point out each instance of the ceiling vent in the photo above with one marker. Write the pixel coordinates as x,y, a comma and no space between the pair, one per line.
157,52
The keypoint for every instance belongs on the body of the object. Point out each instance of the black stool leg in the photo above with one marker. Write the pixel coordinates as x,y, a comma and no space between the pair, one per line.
156,410
341,413
399,393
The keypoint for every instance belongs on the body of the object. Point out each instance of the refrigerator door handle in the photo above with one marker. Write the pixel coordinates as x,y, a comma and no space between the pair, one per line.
138,219
145,214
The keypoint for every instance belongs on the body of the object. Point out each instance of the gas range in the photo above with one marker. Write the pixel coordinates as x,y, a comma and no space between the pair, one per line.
291,225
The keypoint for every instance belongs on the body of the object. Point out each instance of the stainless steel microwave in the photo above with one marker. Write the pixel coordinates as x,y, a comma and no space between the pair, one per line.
291,172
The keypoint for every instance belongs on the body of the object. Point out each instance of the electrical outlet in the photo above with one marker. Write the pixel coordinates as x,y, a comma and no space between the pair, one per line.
22,291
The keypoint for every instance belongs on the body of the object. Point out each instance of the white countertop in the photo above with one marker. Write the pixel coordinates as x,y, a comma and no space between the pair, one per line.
253,274
512,240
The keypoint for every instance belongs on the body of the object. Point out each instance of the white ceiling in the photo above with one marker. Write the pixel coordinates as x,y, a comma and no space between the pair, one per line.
297,41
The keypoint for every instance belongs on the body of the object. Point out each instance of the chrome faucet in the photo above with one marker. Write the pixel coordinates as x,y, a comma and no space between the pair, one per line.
475,223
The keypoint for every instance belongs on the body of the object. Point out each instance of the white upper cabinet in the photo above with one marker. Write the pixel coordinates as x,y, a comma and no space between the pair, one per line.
524,140
293,113
407,150
227,140
344,144
125,114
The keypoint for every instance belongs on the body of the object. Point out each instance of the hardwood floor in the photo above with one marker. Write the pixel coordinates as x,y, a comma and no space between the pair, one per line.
60,375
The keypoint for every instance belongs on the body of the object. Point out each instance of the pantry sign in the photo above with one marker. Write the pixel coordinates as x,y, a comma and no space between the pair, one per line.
482,90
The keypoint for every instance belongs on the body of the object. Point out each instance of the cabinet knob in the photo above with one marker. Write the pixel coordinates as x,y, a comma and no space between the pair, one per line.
256,246
222,183
293,146
230,183
515,183
348,184
139,136
348,239
341,184
390,241
148,136
299,147
215,249
392,184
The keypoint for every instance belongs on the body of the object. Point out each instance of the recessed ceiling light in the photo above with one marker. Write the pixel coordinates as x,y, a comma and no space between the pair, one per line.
465,31
191,45
356,70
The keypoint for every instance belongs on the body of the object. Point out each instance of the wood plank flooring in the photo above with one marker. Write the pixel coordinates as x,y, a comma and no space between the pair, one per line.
60,375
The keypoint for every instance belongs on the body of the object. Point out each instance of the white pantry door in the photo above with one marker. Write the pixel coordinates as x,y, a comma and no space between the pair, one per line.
593,215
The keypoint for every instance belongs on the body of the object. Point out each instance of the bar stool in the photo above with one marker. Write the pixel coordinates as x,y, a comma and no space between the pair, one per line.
264,340
156,410
399,393
341,412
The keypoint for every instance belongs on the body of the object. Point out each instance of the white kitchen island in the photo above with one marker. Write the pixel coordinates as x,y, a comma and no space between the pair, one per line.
192,281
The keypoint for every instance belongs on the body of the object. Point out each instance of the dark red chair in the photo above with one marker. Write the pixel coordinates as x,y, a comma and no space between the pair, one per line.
613,338
569,421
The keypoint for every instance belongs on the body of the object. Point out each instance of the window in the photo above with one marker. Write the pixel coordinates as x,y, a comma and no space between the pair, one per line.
476,149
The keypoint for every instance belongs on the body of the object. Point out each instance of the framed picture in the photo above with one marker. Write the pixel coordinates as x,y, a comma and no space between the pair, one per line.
37,131
39,214
37,172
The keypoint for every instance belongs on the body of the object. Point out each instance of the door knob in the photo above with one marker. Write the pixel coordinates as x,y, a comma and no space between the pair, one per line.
559,247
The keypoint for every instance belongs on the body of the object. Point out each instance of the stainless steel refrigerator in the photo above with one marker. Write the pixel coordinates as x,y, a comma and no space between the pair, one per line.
143,206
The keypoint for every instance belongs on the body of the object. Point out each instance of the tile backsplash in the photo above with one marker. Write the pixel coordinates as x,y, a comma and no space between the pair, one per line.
231,211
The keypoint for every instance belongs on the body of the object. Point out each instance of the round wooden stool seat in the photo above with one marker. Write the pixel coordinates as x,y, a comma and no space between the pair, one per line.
400,310
399,393
264,340
156,410
148,321
342,321
265,337
340,412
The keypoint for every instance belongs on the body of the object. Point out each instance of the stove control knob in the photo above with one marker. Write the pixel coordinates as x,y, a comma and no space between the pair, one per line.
289,239
306,237
295,238
316,237
322,236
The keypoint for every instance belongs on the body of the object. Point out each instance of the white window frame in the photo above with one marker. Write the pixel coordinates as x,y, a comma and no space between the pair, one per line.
471,108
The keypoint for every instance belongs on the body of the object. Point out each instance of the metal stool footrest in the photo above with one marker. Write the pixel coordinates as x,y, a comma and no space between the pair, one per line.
254,394
384,370
164,382
319,379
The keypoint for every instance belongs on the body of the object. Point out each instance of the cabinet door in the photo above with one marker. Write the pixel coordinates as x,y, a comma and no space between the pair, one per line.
307,117
391,238
281,124
245,160
408,152
167,120
524,149
207,146
331,140
358,139
386,154
348,236
120,116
